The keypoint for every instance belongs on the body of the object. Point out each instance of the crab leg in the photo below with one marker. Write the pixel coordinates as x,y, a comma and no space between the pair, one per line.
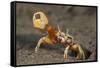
38,44
45,40
66,52
81,54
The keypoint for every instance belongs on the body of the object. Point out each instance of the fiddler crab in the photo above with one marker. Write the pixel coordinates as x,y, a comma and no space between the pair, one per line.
54,36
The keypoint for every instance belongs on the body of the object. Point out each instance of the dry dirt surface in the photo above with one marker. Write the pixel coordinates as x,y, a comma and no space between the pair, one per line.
80,20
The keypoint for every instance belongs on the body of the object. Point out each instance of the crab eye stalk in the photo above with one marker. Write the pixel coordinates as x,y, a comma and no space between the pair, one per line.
59,29
67,31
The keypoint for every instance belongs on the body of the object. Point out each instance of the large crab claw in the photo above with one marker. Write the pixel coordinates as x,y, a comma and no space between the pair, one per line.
40,20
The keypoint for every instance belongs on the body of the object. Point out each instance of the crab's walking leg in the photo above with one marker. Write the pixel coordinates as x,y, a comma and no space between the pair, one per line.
38,44
66,52
80,54
45,40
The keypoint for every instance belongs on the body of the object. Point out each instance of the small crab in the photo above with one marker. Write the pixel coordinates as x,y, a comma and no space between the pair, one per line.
54,36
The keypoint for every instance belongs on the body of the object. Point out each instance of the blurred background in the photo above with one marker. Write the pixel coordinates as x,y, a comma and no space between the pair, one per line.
81,22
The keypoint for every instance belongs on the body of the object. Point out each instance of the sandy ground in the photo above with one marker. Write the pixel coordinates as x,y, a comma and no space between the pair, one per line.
81,22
